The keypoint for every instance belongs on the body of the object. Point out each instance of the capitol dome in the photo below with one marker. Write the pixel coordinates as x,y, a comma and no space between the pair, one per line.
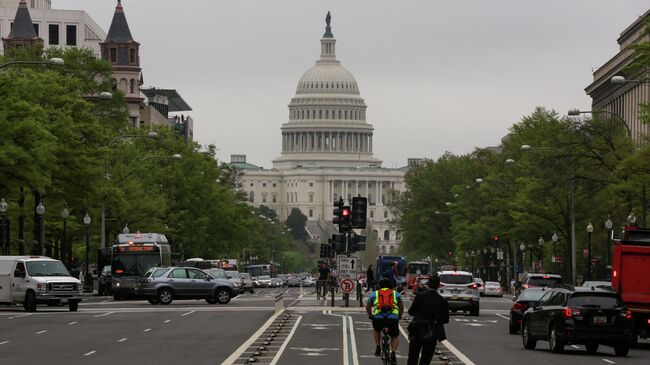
327,117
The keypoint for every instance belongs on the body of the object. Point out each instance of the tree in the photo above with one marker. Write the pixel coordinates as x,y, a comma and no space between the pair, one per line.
296,222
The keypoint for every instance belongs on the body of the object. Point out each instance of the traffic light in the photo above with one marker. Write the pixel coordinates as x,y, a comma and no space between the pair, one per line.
324,251
341,216
337,243
357,243
359,212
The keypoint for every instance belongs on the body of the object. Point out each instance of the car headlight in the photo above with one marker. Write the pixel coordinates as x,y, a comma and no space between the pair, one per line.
41,287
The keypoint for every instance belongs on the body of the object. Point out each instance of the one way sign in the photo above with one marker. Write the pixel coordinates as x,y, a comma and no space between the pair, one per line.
348,267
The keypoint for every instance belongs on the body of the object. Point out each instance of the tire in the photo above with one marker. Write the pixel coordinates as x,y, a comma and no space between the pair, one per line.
475,311
165,296
251,291
211,300
73,306
528,341
153,301
223,296
554,343
30,302
512,328
116,297
621,349
592,347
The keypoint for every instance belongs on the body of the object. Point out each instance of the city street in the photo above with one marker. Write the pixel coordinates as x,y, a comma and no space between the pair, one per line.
104,331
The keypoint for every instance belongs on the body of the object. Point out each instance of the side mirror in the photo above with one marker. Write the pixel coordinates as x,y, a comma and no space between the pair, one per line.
19,274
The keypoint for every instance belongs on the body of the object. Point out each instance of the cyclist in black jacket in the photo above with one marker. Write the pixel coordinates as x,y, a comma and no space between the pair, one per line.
429,312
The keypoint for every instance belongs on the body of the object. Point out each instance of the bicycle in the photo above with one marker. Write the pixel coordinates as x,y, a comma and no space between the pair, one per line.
321,287
385,347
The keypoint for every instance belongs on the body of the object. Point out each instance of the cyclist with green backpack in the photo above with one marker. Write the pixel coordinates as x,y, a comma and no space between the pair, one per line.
385,309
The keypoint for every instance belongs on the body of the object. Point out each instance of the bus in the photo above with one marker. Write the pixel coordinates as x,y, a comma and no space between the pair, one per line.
132,255
417,269
259,270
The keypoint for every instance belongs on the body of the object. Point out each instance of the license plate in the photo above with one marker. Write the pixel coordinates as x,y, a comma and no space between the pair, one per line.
454,297
600,319
455,291
64,300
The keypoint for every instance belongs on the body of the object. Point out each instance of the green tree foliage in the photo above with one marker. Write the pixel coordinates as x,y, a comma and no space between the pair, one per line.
296,221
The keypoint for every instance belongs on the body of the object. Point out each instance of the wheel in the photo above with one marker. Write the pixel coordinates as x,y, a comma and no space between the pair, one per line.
512,328
116,297
251,291
165,296
73,306
621,349
592,347
211,300
529,342
474,311
555,344
223,296
30,302
153,301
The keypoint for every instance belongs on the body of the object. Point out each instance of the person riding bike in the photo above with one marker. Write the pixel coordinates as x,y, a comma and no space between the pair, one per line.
385,309
324,276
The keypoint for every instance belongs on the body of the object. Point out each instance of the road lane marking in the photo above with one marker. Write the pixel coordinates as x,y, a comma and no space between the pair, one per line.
346,347
286,342
103,315
40,332
167,321
609,361
20,316
147,330
188,313
71,323
4,342
575,347
122,339
502,316
464,359
90,353
235,355
353,342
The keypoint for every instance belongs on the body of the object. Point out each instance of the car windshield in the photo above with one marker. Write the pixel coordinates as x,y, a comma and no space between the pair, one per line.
595,301
479,280
423,268
492,284
46,268
264,277
544,281
531,295
456,279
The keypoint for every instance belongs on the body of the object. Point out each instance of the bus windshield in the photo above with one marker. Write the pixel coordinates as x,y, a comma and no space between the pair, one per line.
413,268
134,264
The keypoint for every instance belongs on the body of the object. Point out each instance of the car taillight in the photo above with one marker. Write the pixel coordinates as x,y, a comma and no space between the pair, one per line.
628,315
525,286
615,273
518,306
648,321
473,286
570,312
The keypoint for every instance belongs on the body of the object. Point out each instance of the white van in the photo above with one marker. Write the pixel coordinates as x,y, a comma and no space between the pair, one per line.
32,280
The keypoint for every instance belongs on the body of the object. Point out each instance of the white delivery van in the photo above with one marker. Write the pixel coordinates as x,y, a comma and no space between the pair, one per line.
32,280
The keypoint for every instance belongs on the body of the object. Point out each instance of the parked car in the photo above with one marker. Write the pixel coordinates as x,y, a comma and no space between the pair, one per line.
526,299
284,278
492,289
586,316
293,281
161,285
309,281
104,281
263,281
276,283
247,282
480,285
460,290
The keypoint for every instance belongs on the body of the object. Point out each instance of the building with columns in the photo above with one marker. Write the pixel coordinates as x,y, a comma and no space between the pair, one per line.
327,153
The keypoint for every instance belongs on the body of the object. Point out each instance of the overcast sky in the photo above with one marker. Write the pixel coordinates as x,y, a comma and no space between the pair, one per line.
437,75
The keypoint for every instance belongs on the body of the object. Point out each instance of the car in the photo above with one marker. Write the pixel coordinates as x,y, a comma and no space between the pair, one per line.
481,286
234,278
419,283
526,299
263,281
276,283
540,280
492,289
585,316
284,278
216,273
460,290
607,285
104,281
293,281
161,285
309,281
247,282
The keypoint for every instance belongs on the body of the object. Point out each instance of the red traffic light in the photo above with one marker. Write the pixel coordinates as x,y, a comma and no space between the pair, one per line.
345,212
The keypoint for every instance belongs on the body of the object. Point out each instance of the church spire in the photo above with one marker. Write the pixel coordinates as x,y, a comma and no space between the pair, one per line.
23,31
119,31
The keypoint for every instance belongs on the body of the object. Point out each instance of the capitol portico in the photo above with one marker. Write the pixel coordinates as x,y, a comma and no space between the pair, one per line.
327,153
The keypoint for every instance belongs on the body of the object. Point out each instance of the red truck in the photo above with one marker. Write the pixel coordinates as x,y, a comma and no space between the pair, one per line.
631,275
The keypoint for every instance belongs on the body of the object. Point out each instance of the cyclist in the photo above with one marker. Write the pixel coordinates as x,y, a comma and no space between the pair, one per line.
324,276
385,309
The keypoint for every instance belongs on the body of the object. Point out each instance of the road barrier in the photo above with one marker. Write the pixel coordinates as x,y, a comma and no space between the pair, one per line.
279,302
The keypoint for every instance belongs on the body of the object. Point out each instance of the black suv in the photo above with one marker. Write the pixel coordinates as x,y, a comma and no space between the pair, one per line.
589,316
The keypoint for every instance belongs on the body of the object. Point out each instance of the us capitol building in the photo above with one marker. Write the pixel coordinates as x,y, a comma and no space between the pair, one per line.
327,153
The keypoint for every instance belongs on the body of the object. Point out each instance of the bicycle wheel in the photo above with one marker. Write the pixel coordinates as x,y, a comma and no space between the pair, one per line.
385,348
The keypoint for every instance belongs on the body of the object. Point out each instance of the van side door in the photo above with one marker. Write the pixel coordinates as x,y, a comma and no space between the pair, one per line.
19,282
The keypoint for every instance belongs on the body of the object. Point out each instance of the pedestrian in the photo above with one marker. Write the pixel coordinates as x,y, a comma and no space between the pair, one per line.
391,275
429,313
370,279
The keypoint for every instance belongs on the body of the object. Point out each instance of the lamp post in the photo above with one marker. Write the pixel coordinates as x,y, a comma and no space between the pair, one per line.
40,211
4,228
609,226
87,224
65,251
554,238
522,247
590,229
50,62
541,252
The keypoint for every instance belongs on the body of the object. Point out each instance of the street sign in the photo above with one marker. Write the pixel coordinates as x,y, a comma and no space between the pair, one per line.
347,285
348,267
499,254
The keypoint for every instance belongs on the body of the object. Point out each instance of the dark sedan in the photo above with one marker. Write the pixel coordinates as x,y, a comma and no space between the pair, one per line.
162,285
591,317
526,299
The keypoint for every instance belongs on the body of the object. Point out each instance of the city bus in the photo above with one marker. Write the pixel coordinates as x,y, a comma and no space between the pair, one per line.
259,270
132,255
417,269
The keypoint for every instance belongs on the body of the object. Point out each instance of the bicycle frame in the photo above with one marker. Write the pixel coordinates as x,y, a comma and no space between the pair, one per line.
385,346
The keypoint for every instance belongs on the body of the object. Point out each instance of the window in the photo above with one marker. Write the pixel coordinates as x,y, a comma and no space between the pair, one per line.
383,249
263,198
386,235
178,274
132,86
275,198
113,55
53,36
311,184
251,185
264,184
273,184
251,197
385,214
37,29
197,274
544,298
336,196
71,35
372,214
132,56
311,213
391,250
311,197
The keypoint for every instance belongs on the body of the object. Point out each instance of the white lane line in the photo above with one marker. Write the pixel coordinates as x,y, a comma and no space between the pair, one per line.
147,330
188,313
20,316
107,301
608,361
90,353
502,316
167,321
464,359
575,347
235,355
71,323
4,342
353,344
286,342
103,315
122,339
40,332
346,360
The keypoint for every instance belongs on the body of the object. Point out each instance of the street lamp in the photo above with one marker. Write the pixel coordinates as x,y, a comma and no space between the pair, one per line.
51,62
479,181
590,229
631,219
40,211
609,226
621,80
66,252
522,247
541,252
87,223
4,227
554,238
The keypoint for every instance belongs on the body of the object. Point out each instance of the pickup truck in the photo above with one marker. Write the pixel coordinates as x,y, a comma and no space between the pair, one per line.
630,275
32,280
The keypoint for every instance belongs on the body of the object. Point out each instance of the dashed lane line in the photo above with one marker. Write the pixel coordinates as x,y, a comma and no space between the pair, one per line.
90,353
502,316
41,332
167,321
20,316
147,330
104,315
4,342
608,361
187,314
71,323
122,339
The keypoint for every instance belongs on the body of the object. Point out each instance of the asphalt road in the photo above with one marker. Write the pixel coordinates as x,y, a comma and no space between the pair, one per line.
104,331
